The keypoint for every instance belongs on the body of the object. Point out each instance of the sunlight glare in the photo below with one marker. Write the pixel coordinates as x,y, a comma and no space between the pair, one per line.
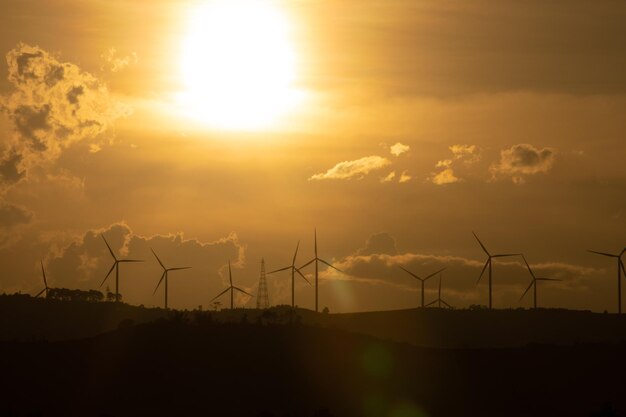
238,65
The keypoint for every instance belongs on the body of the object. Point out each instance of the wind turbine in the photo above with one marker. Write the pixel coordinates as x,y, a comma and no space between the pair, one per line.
489,264
317,260
620,268
293,269
533,283
164,275
116,266
422,280
45,282
232,289
439,300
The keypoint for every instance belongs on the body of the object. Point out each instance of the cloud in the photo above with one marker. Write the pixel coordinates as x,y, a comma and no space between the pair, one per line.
444,177
405,177
53,105
523,159
84,263
467,154
114,63
12,215
398,149
379,243
357,168
389,177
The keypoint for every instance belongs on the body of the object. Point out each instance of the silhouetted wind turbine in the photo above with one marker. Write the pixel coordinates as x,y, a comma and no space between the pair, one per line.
232,289
317,260
620,268
116,266
422,280
488,264
164,275
45,282
439,300
293,269
533,283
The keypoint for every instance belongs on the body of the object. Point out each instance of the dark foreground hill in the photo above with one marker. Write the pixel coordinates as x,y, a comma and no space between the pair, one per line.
26,318
177,367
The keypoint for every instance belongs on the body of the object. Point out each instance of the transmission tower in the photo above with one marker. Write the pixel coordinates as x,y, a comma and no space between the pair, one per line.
262,298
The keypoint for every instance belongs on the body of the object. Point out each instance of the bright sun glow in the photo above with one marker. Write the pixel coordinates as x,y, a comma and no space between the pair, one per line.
238,64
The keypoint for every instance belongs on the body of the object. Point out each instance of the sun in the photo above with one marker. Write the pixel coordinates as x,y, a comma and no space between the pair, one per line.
238,64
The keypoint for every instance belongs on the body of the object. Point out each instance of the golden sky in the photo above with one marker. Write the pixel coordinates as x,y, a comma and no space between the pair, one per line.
212,130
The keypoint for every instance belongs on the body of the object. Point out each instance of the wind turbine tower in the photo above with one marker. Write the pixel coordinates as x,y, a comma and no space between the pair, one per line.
488,263
439,300
116,266
620,269
317,260
533,283
422,280
262,296
165,274
293,270
232,289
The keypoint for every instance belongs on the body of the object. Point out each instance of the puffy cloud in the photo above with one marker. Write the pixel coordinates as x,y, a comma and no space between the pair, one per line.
444,177
53,105
468,154
389,177
11,215
114,62
399,148
379,243
84,263
523,159
357,168
405,177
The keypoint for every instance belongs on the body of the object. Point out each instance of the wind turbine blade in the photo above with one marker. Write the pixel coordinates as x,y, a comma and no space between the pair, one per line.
230,274
43,272
179,268
528,289
303,277
307,264
220,294
622,252
448,305
503,255
483,271
131,260
528,266
334,267
110,250
40,292
481,244
157,258
280,270
160,281
434,273
245,292
293,262
315,233
622,264
108,273
603,253
410,273
431,303
548,279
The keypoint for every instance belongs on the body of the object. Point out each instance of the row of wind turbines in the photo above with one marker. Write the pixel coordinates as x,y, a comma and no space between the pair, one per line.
316,260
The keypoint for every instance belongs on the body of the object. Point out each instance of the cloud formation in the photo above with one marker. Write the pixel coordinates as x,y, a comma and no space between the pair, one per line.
466,154
522,160
350,169
53,105
114,63
85,262
398,149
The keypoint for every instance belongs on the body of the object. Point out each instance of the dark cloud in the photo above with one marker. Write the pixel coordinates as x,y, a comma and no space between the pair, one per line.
85,262
9,172
379,243
44,124
523,159
12,215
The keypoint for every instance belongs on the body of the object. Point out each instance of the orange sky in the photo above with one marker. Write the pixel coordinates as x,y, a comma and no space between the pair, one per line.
418,124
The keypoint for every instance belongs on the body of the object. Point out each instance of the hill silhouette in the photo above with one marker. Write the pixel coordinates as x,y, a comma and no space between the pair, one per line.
189,365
